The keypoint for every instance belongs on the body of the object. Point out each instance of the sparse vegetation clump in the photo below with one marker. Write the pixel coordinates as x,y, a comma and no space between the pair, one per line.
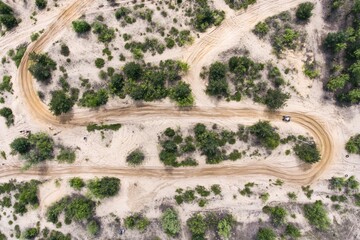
77,183
137,221
103,127
135,158
104,187
266,234
67,155
239,4
7,113
277,215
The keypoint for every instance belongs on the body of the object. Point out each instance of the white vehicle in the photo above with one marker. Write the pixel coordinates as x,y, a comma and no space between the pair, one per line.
286,118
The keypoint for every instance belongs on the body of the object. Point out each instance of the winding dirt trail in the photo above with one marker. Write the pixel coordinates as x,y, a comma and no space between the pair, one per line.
316,127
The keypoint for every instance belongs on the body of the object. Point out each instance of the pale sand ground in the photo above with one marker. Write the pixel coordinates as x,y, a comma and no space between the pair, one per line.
150,192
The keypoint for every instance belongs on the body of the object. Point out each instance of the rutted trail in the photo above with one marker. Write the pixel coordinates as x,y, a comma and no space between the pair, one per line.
205,47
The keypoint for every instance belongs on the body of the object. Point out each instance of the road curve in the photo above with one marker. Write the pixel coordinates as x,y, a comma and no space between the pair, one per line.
40,112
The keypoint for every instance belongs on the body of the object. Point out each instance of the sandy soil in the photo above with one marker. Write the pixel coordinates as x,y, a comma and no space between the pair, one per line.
312,114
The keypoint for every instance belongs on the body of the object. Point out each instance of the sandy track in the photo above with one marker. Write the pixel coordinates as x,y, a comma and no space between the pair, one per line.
196,57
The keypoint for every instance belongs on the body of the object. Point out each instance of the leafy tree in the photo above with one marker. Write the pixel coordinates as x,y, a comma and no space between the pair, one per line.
94,99
41,66
265,234
317,215
265,134
99,63
181,93
307,152
275,99
7,113
60,102
8,20
337,82
135,158
353,144
117,83
133,70
104,187
41,4
20,145
170,222
197,226
36,148
77,183
218,85
304,11
81,26
30,233
205,18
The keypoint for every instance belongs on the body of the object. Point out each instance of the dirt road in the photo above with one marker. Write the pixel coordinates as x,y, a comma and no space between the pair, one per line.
203,49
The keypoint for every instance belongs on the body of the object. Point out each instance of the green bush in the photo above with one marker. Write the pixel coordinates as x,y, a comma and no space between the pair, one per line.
275,99
216,189
36,148
93,228
56,235
135,158
94,99
224,227
317,215
170,222
137,221
41,66
181,93
6,16
64,50
266,234
8,115
307,152
77,183
6,84
60,102
277,215
304,10
206,18
353,144
81,26
239,4
30,233
5,9
104,187
20,51
41,4
197,226
217,85
261,29
292,231
99,63
105,34
265,134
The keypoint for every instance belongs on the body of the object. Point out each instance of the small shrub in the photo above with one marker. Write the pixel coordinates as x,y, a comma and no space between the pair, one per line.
77,183
170,222
135,158
304,11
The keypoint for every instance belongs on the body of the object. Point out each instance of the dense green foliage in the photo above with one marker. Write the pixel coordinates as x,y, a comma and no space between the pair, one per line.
35,148
77,208
135,158
30,233
218,85
7,113
181,94
104,187
304,11
266,234
275,99
41,4
205,17
292,231
344,59
317,215
170,222
239,4
197,226
81,26
353,144
102,127
7,17
60,102
265,134
94,99
136,221
99,63
307,152
41,66
77,183
261,29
